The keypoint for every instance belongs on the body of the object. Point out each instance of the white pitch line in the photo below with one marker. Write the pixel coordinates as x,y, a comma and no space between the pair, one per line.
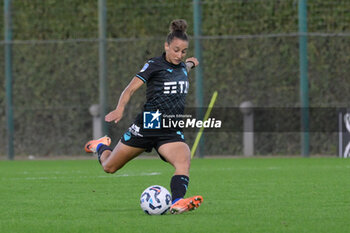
65,177
127,175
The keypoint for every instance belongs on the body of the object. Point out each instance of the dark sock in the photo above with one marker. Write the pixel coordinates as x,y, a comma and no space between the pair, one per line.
178,185
100,149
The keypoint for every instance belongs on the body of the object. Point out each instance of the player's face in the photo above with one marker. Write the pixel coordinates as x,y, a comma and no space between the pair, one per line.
176,51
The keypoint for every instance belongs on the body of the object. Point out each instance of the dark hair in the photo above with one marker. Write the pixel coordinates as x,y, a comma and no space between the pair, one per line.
177,29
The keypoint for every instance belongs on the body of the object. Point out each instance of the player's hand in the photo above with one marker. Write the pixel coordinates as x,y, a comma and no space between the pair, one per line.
116,115
194,60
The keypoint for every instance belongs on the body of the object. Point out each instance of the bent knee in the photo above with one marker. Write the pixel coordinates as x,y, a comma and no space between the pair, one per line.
183,166
109,169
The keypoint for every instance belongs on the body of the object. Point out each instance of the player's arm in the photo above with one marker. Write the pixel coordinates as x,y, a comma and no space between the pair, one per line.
191,62
117,114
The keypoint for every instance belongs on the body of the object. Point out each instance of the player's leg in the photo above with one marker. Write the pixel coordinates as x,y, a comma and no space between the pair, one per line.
178,154
112,160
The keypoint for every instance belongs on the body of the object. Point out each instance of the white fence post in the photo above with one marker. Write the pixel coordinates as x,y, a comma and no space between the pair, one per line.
96,121
248,128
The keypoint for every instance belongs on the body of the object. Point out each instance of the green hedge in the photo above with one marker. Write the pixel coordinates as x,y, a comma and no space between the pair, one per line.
2,104
55,82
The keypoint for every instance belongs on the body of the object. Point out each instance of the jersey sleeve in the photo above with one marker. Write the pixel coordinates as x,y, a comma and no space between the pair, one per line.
147,70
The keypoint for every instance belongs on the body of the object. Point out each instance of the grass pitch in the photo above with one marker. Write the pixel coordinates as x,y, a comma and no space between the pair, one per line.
240,195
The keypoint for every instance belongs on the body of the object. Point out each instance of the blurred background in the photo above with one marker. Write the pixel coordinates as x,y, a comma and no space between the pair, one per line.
250,52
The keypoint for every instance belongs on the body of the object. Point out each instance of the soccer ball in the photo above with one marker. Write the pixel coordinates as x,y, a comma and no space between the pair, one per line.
155,200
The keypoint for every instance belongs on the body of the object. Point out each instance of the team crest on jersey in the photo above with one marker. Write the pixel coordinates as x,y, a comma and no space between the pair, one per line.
144,67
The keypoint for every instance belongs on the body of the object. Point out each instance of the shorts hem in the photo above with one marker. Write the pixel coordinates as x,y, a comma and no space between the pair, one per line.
168,141
132,145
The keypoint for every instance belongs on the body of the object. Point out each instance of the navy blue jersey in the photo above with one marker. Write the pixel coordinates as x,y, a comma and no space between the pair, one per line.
167,85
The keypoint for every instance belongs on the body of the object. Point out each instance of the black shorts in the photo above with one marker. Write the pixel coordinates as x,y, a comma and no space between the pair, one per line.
148,139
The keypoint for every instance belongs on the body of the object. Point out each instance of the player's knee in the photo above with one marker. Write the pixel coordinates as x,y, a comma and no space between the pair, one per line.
183,166
109,169
186,164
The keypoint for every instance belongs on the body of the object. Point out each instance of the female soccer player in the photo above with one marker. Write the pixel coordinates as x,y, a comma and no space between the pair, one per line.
167,86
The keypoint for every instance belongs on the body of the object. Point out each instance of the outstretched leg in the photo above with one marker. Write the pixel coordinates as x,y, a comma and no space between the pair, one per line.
112,160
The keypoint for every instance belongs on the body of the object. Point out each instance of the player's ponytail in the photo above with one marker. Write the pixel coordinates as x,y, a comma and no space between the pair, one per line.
178,29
